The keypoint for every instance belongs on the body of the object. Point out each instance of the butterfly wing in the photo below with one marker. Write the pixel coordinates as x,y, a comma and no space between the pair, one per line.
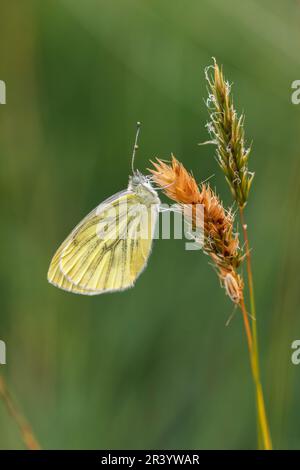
108,250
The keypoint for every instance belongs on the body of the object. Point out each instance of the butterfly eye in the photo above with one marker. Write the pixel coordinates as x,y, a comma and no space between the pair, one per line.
136,179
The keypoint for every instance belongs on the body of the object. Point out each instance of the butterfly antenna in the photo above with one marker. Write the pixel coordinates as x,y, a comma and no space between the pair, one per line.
135,147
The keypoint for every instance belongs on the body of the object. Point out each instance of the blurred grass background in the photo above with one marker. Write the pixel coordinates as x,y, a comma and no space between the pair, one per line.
153,367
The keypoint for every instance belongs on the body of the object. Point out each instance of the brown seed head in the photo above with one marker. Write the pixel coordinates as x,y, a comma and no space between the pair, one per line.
220,241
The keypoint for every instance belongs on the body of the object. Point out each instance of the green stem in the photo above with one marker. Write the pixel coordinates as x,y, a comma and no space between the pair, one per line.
264,437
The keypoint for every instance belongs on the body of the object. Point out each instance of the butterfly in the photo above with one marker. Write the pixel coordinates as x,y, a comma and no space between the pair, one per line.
110,247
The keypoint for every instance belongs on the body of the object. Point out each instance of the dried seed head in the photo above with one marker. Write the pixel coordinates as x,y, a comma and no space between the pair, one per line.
221,243
226,129
179,185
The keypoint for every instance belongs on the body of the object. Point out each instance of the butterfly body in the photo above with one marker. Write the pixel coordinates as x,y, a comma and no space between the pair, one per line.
140,185
110,247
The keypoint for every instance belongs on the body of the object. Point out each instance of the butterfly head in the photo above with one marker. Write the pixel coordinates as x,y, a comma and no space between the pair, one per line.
137,179
141,186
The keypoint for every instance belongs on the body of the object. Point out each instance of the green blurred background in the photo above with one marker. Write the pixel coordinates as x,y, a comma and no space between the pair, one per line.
153,367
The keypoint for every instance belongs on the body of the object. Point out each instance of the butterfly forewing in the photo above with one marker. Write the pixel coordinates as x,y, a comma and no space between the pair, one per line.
108,249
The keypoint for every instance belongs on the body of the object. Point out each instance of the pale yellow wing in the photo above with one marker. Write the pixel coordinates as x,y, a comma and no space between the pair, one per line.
108,249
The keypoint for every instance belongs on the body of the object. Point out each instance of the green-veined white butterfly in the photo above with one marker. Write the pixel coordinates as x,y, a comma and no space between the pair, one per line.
92,260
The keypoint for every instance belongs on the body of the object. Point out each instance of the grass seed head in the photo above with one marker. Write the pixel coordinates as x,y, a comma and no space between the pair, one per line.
221,242
226,129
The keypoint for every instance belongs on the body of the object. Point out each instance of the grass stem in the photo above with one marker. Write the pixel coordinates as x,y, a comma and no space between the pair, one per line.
26,432
264,437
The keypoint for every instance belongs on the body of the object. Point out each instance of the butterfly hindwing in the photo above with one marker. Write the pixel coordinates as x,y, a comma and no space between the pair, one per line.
108,249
